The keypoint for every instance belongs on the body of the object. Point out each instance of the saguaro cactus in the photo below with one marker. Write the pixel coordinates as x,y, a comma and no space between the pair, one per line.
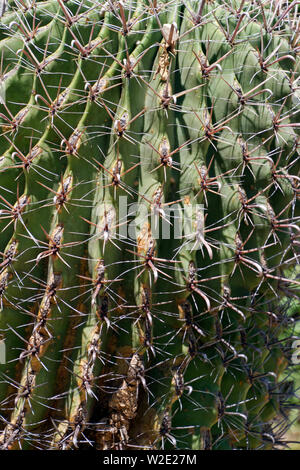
149,223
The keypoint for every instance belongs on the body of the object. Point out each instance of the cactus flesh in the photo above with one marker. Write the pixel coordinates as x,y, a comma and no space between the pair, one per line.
149,223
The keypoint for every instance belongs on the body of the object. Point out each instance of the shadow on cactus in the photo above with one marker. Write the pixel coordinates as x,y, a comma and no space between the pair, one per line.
149,176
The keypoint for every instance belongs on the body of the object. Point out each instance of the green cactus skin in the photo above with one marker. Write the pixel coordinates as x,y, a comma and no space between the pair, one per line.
116,335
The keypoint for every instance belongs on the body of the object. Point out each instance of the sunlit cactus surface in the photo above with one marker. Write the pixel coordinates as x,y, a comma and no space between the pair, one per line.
149,223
